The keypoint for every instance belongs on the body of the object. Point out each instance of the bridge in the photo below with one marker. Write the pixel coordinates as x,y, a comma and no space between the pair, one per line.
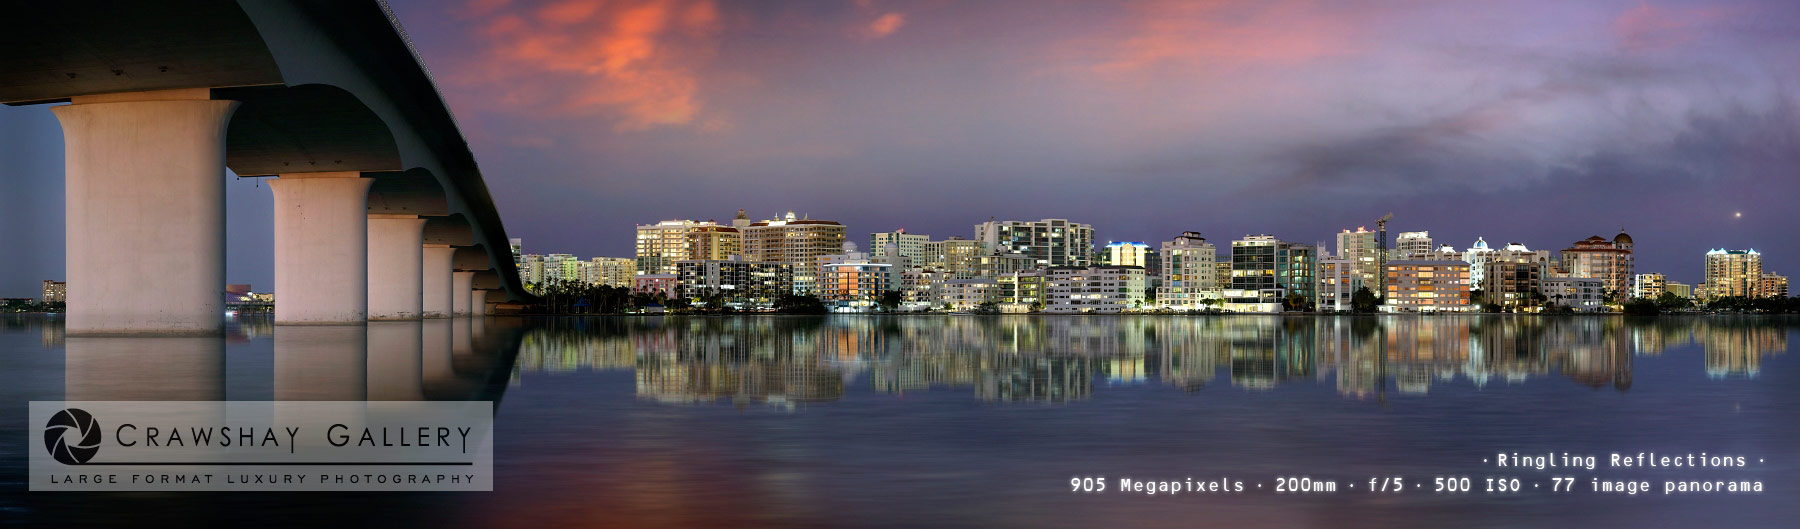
380,211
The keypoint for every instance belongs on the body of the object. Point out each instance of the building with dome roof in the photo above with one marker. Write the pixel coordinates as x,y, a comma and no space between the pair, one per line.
1611,262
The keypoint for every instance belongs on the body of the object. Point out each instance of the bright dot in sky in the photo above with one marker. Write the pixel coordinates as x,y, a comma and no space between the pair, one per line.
1739,214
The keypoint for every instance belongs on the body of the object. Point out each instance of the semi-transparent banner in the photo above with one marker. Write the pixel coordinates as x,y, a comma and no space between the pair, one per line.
256,445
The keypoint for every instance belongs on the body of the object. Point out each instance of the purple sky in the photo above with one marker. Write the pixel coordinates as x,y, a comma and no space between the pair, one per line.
1542,122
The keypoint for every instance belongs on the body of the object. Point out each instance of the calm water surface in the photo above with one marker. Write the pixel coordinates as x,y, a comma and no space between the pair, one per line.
963,421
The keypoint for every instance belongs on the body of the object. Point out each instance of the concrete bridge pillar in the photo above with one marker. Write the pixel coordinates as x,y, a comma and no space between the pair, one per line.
145,192
437,280
394,267
321,248
462,289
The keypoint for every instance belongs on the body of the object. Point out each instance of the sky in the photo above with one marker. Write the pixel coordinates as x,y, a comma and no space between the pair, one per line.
1542,122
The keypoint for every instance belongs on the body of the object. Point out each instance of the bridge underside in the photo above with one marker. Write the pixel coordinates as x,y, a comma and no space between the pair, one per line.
375,185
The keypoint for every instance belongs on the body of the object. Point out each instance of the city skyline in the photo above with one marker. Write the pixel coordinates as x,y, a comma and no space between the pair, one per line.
1537,122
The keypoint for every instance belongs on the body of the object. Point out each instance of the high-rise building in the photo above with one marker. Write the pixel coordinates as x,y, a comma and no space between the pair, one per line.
55,291
1363,251
1093,289
1049,242
1680,289
1266,270
531,269
1732,273
909,245
660,245
1598,258
1416,285
1772,285
1189,272
715,243
795,241
517,246
1648,285
1412,245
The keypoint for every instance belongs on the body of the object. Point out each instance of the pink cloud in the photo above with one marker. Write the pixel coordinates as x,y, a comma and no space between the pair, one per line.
1228,32
635,61
885,25
1650,28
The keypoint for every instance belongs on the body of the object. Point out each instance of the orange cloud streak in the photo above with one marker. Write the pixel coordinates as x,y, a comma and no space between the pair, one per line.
1229,32
885,25
634,59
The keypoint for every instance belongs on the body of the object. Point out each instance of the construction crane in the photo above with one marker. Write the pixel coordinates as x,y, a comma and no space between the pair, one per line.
1382,253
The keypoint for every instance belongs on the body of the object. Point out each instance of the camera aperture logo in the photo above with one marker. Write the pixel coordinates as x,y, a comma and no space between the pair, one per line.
72,436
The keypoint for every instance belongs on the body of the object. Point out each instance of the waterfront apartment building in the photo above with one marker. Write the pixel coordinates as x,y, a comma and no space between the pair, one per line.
1772,285
909,245
1609,261
1093,289
1363,250
1732,273
1648,285
1338,283
963,295
1189,273
1048,242
738,280
1418,285
659,246
1583,294
1266,270
1412,245
793,241
856,280
920,287
55,291
1021,291
1512,279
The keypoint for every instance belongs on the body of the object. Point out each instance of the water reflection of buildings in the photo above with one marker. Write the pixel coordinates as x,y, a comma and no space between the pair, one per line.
789,360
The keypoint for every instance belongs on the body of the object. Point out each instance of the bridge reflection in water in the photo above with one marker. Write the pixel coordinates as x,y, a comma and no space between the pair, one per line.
955,421
463,358
794,360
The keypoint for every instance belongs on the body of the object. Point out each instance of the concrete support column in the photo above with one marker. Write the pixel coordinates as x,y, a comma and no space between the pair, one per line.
394,284
478,301
462,291
321,248
145,212
436,281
